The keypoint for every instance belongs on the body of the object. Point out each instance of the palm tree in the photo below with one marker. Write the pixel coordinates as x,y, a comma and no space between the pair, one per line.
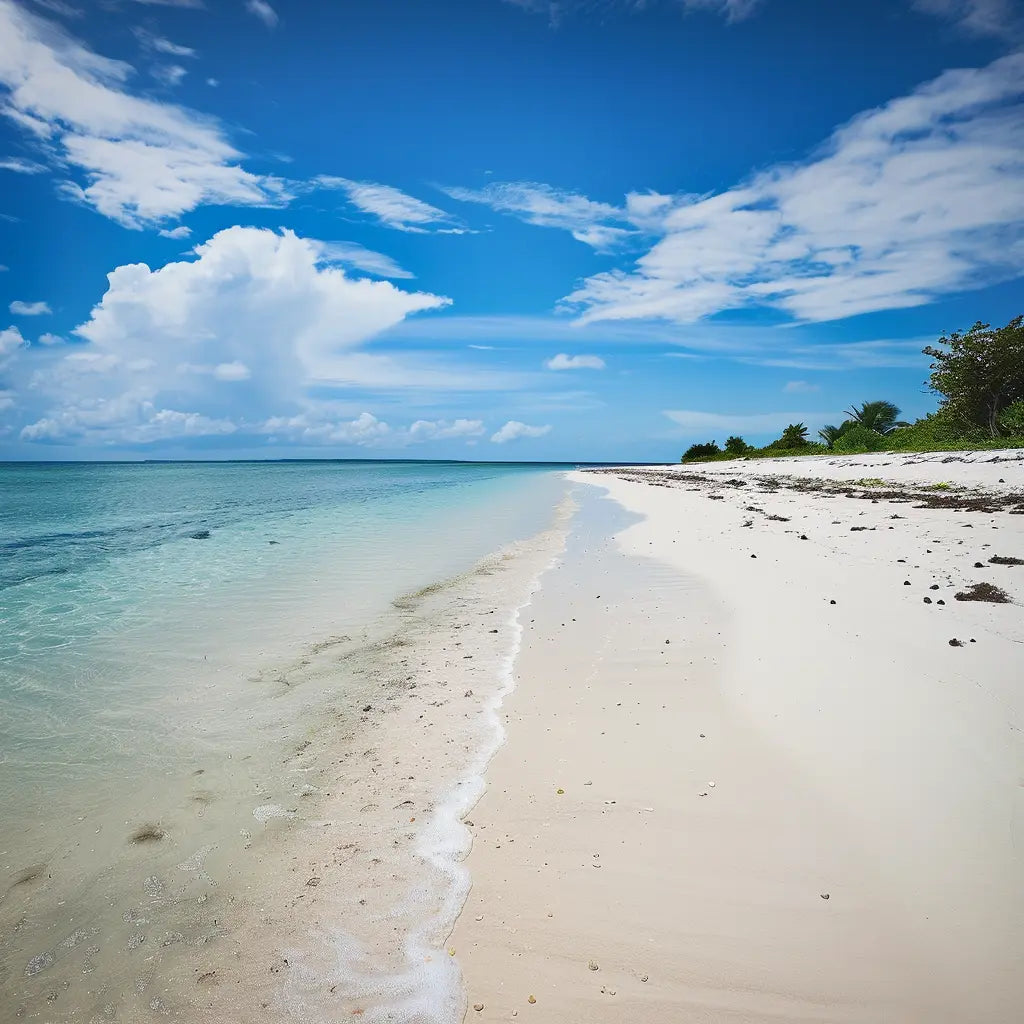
877,416
794,436
830,434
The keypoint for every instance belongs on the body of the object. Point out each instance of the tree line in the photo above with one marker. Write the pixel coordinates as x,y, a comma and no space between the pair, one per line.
979,377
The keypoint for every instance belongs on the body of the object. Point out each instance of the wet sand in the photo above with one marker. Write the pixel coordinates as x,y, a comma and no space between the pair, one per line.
748,775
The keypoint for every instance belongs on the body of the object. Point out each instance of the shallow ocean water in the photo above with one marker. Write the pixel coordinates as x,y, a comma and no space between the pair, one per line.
154,619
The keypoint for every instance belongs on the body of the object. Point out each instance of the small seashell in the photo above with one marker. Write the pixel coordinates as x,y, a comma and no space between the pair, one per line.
478,1007
594,965
532,999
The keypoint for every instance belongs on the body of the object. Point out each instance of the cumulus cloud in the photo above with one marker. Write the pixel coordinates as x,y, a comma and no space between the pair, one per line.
179,232
312,429
800,387
513,430
19,308
567,362
915,199
435,430
241,333
50,339
393,207
262,10
550,207
139,162
10,341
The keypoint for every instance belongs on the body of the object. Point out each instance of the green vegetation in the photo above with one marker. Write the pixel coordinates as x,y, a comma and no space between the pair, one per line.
979,378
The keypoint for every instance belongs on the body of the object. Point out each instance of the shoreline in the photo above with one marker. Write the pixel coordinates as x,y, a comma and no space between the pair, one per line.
324,880
813,811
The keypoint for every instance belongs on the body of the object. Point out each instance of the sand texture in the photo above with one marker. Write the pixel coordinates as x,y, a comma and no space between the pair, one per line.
749,777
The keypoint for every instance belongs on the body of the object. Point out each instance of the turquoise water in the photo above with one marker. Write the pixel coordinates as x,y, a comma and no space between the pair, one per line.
170,635
116,578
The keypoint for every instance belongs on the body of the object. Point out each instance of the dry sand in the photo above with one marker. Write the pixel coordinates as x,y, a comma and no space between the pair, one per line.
786,796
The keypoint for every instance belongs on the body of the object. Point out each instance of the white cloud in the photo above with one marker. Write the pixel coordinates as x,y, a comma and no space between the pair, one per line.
158,44
800,387
352,254
978,17
436,430
262,10
222,371
366,430
139,161
59,7
50,339
567,362
179,232
241,333
550,207
694,422
558,10
19,308
6,400
913,200
10,341
514,430
195,4
21,166
168,74
392,206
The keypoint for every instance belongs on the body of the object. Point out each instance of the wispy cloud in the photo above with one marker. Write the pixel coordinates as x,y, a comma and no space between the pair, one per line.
550,207
168,74
694,422
799,387
140,161
195,4
262,10
582,362
393,207
1001,18
158,44
919,198
179,232
358,257
558,10
19,165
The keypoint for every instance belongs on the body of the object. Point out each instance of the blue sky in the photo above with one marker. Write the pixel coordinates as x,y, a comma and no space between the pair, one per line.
496,229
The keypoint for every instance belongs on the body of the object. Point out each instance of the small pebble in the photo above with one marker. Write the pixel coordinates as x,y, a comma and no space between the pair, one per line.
478,1007
593,966
532,999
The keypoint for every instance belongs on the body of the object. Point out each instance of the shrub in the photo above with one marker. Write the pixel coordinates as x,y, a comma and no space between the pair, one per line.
860,439
701,451
736,445
1011,419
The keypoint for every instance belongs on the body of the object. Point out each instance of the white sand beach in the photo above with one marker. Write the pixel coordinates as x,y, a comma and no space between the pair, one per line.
748,775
